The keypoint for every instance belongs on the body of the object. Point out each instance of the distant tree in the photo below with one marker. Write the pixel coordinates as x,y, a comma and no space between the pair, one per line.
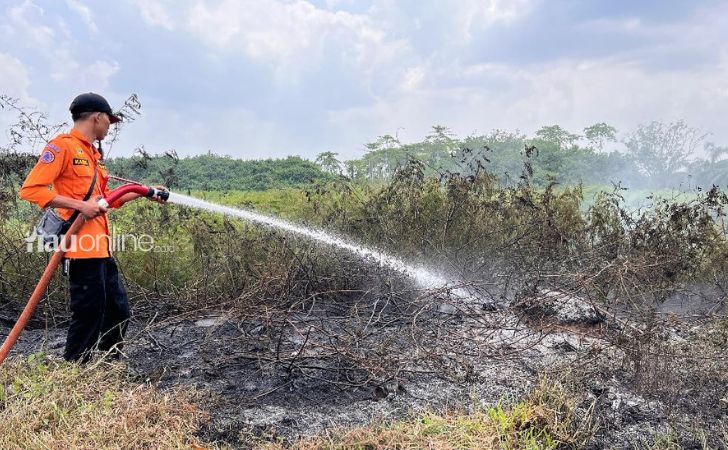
558,136
328,162
661,150
383,157
599,134
352,168
499,152
444,140
387,142
714,152
217,172
714,170
440,133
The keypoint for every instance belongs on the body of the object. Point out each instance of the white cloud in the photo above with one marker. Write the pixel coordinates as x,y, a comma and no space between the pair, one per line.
332,4
415,91
98,74
477,15
574,94
84,12
156,12
451,22
49,38
389,71
292,36
624,89
14,77
27,20
413,78
632,25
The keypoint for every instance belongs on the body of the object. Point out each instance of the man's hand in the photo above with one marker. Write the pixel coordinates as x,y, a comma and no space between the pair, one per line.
157,199
91,208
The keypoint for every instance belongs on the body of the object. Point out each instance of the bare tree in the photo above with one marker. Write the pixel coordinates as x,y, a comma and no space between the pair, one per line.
31,129
661,150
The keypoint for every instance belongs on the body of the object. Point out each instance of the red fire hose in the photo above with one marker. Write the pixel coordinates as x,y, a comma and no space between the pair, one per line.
55,260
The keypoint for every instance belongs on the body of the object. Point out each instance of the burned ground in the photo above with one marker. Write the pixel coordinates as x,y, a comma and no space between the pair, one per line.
352,358
285,338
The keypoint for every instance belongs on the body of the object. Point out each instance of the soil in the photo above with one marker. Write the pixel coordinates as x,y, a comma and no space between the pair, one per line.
231,363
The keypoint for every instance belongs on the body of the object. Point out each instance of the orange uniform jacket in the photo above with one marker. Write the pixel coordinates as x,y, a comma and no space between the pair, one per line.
66,167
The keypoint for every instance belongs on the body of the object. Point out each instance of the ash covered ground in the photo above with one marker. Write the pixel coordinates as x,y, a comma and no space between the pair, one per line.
319,366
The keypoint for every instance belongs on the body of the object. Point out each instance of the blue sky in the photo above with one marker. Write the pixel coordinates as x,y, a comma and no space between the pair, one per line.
270,78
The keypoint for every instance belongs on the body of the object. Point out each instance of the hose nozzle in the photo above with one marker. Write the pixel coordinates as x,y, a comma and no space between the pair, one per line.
161,194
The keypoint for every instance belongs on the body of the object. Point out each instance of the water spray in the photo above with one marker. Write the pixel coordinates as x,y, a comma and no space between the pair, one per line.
425,279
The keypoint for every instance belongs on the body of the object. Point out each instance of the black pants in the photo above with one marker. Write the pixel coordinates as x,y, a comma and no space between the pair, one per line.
99,308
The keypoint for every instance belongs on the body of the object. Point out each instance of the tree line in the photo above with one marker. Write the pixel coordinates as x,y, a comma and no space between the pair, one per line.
655,155
212,172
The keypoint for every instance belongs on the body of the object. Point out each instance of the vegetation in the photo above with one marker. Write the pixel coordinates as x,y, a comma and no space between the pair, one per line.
653,156
47,403
542,420
212,172
503,215
656,155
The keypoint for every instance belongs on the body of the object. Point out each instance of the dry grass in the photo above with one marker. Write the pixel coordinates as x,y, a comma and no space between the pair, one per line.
50,404
544,420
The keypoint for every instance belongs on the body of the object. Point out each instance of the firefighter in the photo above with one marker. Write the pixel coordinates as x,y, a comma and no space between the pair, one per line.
70,176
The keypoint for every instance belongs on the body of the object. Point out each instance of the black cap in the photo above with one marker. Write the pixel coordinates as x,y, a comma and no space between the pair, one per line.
91,102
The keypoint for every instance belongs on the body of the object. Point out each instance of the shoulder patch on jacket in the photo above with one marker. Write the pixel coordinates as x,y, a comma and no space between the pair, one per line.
47,157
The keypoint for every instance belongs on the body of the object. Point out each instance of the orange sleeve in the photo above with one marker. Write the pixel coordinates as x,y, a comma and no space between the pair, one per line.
39,185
